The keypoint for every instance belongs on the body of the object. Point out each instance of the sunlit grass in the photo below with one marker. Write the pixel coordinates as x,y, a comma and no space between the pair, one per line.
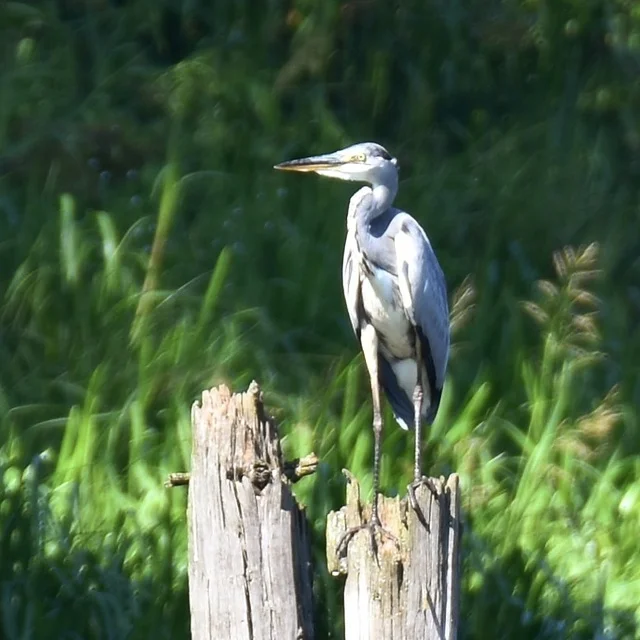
539,466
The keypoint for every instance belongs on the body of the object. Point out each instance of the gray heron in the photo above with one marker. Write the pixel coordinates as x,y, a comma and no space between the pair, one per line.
395,293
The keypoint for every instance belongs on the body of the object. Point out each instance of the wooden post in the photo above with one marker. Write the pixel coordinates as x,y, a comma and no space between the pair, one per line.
249,556
409,590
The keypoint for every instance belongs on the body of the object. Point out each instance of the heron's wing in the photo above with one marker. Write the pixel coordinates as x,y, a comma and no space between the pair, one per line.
423,291
351,280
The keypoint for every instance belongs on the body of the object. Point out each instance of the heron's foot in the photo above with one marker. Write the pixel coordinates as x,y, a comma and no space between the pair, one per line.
411,492
374,526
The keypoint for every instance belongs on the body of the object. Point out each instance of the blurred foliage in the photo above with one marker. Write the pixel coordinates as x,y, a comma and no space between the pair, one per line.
148,251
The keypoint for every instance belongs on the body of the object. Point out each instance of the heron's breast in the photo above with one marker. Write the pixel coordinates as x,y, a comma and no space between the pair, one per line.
381,302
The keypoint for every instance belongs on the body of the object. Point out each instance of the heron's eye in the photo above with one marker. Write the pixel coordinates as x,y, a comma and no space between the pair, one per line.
360,157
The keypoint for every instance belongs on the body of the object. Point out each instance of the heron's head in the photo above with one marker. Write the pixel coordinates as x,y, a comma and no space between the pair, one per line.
364,162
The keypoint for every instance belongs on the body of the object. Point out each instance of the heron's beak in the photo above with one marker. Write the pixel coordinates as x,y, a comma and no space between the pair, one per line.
313,163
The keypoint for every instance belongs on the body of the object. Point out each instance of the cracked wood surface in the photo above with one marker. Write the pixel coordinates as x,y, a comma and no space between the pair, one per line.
409,590
249,557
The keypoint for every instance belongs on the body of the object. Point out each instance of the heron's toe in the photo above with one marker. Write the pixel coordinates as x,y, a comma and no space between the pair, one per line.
411,493
374,526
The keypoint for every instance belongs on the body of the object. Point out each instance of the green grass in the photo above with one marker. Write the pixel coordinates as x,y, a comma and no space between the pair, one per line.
148,251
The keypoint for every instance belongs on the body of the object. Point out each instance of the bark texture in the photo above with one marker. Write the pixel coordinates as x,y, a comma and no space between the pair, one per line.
404,590
249,557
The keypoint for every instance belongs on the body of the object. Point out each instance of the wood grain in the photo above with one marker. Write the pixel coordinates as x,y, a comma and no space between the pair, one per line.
407,590
249,556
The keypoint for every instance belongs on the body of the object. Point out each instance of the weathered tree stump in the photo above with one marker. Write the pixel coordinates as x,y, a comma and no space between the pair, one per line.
249,556
404,591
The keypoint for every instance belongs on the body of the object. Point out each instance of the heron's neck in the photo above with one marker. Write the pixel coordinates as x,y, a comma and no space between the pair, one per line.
383,195
369,202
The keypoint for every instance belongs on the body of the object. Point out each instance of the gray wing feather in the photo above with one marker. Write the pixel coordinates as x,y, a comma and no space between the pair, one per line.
399,246
351,279
423,291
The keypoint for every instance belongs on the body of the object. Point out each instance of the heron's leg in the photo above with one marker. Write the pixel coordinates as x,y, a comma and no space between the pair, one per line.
369,341
418,399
